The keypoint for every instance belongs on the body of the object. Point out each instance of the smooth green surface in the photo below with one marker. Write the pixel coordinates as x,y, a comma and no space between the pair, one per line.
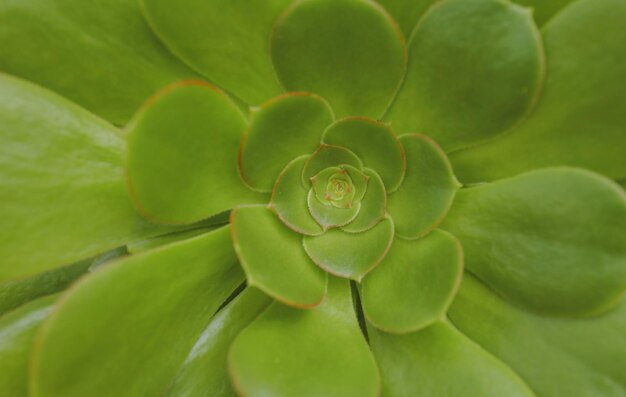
440,361
350,52
17,334
126,329
580,118
272,256
63,193
204,373
222,39
427,191
279,131
544,10
406,12
340,186
306,353
328,156
550,240
18,292
182,155
414,284
329,216
556,357
475,68
374,143
350,255
373,205
289,199
102,56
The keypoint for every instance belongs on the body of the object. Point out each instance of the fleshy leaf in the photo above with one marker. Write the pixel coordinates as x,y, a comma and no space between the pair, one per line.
414,284
204,371
328,216
441,362
475,69
289,199
340,186
350,52
350,255
273,258
126,328
427,191
182,155
579,124
328,156
374,143
279,131
306,353
544,10
17,335
63,193
555,356
406,12
196,30
373,205
551,240
104,57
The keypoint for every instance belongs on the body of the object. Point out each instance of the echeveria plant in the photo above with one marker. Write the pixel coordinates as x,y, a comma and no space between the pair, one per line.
316,198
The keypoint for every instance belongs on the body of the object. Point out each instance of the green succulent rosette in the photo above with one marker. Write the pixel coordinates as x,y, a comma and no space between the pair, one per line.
312,198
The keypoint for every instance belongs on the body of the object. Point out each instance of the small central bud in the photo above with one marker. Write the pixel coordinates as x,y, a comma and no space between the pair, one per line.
339,185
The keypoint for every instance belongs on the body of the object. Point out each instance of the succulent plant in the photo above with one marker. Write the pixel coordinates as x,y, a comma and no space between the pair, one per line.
316,198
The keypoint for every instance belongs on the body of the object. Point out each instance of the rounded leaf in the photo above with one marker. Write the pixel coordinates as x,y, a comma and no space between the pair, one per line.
289,352
475,68
551,240
281,130
427,191
350,52
350,255
414,284
579,124
328,216
182,155
289,199
272,256
374,143
125,329
373,205
328,156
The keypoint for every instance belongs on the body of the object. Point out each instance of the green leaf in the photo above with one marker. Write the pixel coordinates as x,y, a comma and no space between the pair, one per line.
427,191
126,329
329,216
544,10
18,292
17,335
579,124
63,193
551,240
279,131
374,143
475,69
289,199
414,284
350,255
223,39
406,12
440,361
103,56
273,258
318,352
557,357
373,206
328,156
182,155
350,52
204,372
